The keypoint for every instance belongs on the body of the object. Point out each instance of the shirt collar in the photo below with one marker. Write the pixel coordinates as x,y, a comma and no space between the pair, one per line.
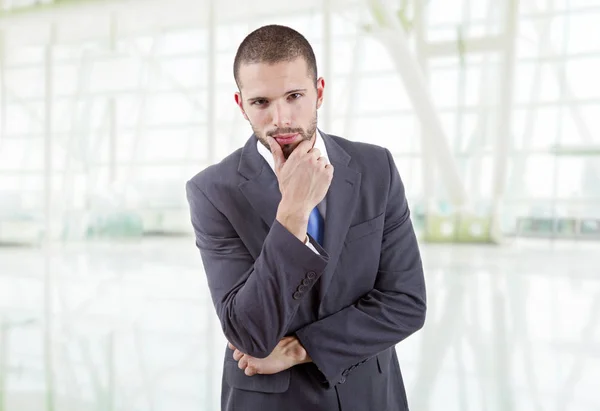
319,143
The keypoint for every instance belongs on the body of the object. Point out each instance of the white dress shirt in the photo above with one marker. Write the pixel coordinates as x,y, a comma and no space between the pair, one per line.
320,144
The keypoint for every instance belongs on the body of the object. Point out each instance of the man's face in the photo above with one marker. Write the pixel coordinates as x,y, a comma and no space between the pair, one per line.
280,100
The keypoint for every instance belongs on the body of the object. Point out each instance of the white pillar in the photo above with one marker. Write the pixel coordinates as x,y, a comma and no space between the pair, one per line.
427,157
213,362
352,86
325,119
392,35
4,340
2,88
112,110
504,134
48,223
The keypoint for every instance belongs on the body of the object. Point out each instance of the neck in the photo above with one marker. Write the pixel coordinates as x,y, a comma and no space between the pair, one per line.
313,139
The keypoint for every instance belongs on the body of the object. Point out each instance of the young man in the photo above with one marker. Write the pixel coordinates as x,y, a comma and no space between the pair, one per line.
311,258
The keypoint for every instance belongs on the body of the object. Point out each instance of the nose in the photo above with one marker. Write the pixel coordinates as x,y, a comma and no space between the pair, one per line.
281,115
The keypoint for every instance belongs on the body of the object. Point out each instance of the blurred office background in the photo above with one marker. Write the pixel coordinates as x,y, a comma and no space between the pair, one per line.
491,109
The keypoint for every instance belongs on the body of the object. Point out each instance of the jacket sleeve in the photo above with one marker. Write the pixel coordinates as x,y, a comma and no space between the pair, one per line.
394,309
255,300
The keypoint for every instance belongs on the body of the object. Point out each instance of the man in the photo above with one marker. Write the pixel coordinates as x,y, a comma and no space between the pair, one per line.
306,240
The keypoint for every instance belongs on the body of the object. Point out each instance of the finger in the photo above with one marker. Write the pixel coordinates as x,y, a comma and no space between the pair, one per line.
250,371
276,151
231,347
316,154
302,148
322,160
315,151
243,363
305,145
237,354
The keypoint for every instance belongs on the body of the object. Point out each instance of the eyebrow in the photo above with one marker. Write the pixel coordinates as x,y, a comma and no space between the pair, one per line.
286,93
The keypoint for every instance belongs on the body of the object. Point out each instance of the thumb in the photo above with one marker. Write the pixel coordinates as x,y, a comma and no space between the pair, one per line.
277,152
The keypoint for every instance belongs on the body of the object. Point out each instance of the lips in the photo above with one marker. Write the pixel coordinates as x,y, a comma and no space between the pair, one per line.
286,138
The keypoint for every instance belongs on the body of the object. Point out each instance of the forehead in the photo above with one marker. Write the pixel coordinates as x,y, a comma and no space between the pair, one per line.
272,78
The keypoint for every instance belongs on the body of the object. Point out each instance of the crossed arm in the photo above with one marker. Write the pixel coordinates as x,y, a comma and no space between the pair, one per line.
255,304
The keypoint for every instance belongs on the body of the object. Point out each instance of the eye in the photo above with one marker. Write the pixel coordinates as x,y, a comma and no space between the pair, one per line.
295,96
260,102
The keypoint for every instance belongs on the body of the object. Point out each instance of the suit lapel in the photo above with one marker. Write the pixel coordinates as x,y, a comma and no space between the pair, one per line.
262,192
341,200
261,189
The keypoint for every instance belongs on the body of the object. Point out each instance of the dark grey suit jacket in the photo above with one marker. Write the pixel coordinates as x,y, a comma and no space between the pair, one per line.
348,306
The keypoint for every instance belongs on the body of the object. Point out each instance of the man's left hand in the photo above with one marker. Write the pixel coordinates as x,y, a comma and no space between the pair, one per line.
287,353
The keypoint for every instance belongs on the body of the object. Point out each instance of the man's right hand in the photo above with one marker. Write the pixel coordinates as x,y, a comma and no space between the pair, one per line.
304,179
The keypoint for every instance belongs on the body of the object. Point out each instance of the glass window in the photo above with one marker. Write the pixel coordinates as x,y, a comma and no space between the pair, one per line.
443,86
115,74
380,93
536,128
173,108
537,82
569,179
375,56
582,32
26,82
582,76
24,118
181,41
449,11
538,178
397,133
182,72
23,54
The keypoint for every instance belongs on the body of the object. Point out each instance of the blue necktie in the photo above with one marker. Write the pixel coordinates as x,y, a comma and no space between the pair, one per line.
316,225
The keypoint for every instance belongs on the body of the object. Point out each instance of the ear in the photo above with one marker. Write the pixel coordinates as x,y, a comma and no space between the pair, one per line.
239,102
320,91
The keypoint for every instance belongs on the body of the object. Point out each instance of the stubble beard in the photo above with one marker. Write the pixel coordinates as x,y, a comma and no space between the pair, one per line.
287,149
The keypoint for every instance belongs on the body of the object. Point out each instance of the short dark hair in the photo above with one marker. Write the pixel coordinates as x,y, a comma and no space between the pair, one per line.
274,44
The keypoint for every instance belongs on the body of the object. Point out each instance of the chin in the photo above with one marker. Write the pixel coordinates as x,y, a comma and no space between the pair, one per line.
287,151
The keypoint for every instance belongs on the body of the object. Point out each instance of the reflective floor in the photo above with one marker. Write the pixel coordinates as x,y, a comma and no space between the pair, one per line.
515,327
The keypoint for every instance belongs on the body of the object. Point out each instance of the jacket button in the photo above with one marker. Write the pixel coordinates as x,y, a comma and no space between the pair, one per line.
311,275
306,282
297,295
343,380
302,288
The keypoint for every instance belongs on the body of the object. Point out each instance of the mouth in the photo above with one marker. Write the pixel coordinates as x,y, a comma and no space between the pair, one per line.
286,138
